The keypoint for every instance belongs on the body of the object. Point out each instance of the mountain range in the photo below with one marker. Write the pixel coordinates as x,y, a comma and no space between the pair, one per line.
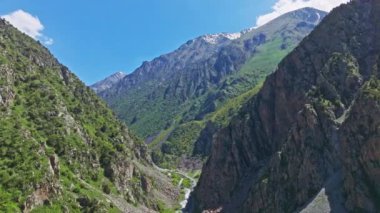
178,100
280,118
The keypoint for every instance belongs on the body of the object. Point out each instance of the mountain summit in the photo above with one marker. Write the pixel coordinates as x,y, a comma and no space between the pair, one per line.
108,82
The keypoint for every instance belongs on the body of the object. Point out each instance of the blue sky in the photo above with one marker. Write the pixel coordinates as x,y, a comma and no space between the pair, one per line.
97,38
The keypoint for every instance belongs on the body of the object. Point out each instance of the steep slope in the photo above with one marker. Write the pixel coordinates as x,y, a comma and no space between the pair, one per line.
149,98
170,100
108,82
61,148
309,140
176,81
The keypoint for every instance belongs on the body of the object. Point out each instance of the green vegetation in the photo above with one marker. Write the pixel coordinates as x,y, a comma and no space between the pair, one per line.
176,178
161,137
56,134
162,208
235,92
186,183
223,115
372,89
148,117
180,142
265,61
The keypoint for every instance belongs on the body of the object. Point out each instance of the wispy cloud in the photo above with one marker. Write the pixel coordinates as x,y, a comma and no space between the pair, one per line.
29,25
283,6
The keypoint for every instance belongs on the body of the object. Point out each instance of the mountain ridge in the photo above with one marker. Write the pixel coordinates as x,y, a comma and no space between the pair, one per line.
181,90
108,82
229,36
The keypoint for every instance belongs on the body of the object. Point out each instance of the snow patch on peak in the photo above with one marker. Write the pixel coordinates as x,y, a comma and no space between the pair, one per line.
215,38
233,36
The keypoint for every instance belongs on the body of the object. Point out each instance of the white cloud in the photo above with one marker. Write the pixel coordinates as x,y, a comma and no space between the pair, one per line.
28,24
283,6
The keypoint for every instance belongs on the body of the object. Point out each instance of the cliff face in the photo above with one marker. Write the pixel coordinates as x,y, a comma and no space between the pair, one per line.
311,132
61,148
361,151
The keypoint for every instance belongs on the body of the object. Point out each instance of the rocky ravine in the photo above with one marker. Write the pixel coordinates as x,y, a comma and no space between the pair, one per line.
311,136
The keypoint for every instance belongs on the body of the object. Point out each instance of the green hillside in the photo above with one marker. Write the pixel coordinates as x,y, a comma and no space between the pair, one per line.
62,149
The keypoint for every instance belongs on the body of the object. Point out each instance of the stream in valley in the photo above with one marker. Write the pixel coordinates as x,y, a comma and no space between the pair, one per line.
187,191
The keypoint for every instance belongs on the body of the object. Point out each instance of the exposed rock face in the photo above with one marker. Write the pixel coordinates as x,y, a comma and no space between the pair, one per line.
360,136
312,128
45,191
203,144
121,172
42,195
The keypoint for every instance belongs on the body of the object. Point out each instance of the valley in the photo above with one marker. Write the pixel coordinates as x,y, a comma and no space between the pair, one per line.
177,101
280,117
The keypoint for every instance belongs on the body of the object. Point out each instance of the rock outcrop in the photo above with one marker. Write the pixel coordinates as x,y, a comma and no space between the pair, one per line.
311,134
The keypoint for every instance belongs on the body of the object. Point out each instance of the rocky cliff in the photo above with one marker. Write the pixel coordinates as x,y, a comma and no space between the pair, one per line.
309,140
62,149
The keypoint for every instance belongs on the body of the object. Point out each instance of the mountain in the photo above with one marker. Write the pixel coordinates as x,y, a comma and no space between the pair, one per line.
309,140
108,82
179,99
62,149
